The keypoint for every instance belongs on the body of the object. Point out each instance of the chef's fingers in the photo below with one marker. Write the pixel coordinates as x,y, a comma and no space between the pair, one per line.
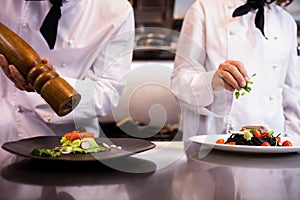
229,80
219,81
48,62
230,70
14,75
231,76
4,66
19,81
240,67
228,87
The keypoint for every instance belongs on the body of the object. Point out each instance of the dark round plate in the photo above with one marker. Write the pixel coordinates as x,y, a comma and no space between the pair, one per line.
129,146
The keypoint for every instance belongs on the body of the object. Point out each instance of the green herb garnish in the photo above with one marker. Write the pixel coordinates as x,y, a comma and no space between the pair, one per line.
246,88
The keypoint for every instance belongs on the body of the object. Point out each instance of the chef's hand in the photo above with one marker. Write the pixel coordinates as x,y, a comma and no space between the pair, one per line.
14,75
230,75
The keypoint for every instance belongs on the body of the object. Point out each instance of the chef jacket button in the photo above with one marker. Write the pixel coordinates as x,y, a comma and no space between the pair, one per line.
274,66
231,33
70,42
63,65
275,37
18,109
271,98
24,25
47,118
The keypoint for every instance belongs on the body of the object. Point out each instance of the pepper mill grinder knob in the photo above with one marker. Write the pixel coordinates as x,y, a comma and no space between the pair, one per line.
57,92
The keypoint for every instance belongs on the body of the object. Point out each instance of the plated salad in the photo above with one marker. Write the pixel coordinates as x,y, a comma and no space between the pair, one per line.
74,142
254,136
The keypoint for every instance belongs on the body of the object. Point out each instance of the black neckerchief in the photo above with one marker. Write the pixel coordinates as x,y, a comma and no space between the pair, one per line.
50,24
259,18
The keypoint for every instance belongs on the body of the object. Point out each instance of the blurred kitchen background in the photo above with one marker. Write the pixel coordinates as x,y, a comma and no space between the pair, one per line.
147,108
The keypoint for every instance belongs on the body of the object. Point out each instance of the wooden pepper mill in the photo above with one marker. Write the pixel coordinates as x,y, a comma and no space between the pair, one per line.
57,92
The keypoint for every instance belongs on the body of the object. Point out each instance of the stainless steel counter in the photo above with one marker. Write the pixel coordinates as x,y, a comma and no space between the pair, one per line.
165,172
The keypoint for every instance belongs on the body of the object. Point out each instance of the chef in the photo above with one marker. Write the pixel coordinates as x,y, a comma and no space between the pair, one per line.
91,49
236,65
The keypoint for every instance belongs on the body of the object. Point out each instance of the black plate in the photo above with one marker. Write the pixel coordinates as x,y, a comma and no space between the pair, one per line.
129,146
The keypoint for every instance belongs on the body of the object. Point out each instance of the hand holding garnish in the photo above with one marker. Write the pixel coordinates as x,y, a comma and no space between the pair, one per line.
245,89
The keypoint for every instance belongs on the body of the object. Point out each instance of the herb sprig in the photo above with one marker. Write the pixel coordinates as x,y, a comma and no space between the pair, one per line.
246,88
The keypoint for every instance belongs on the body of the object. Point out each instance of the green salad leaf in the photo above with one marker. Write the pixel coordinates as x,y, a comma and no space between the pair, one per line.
68,146
45,153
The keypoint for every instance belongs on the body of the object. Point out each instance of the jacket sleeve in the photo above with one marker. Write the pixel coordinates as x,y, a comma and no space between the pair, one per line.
192,76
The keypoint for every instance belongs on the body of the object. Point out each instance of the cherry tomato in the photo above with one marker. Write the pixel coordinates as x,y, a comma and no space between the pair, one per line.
265,134
220,141
265,144
231,143
287,143
278,139
256,133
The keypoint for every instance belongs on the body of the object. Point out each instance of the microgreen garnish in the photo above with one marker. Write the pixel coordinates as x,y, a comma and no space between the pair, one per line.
246,88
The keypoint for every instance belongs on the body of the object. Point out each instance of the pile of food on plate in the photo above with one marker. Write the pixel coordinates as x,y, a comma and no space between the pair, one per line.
254,136
74,142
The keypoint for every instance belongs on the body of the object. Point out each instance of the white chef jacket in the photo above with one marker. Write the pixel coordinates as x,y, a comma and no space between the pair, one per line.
93,52
209,36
